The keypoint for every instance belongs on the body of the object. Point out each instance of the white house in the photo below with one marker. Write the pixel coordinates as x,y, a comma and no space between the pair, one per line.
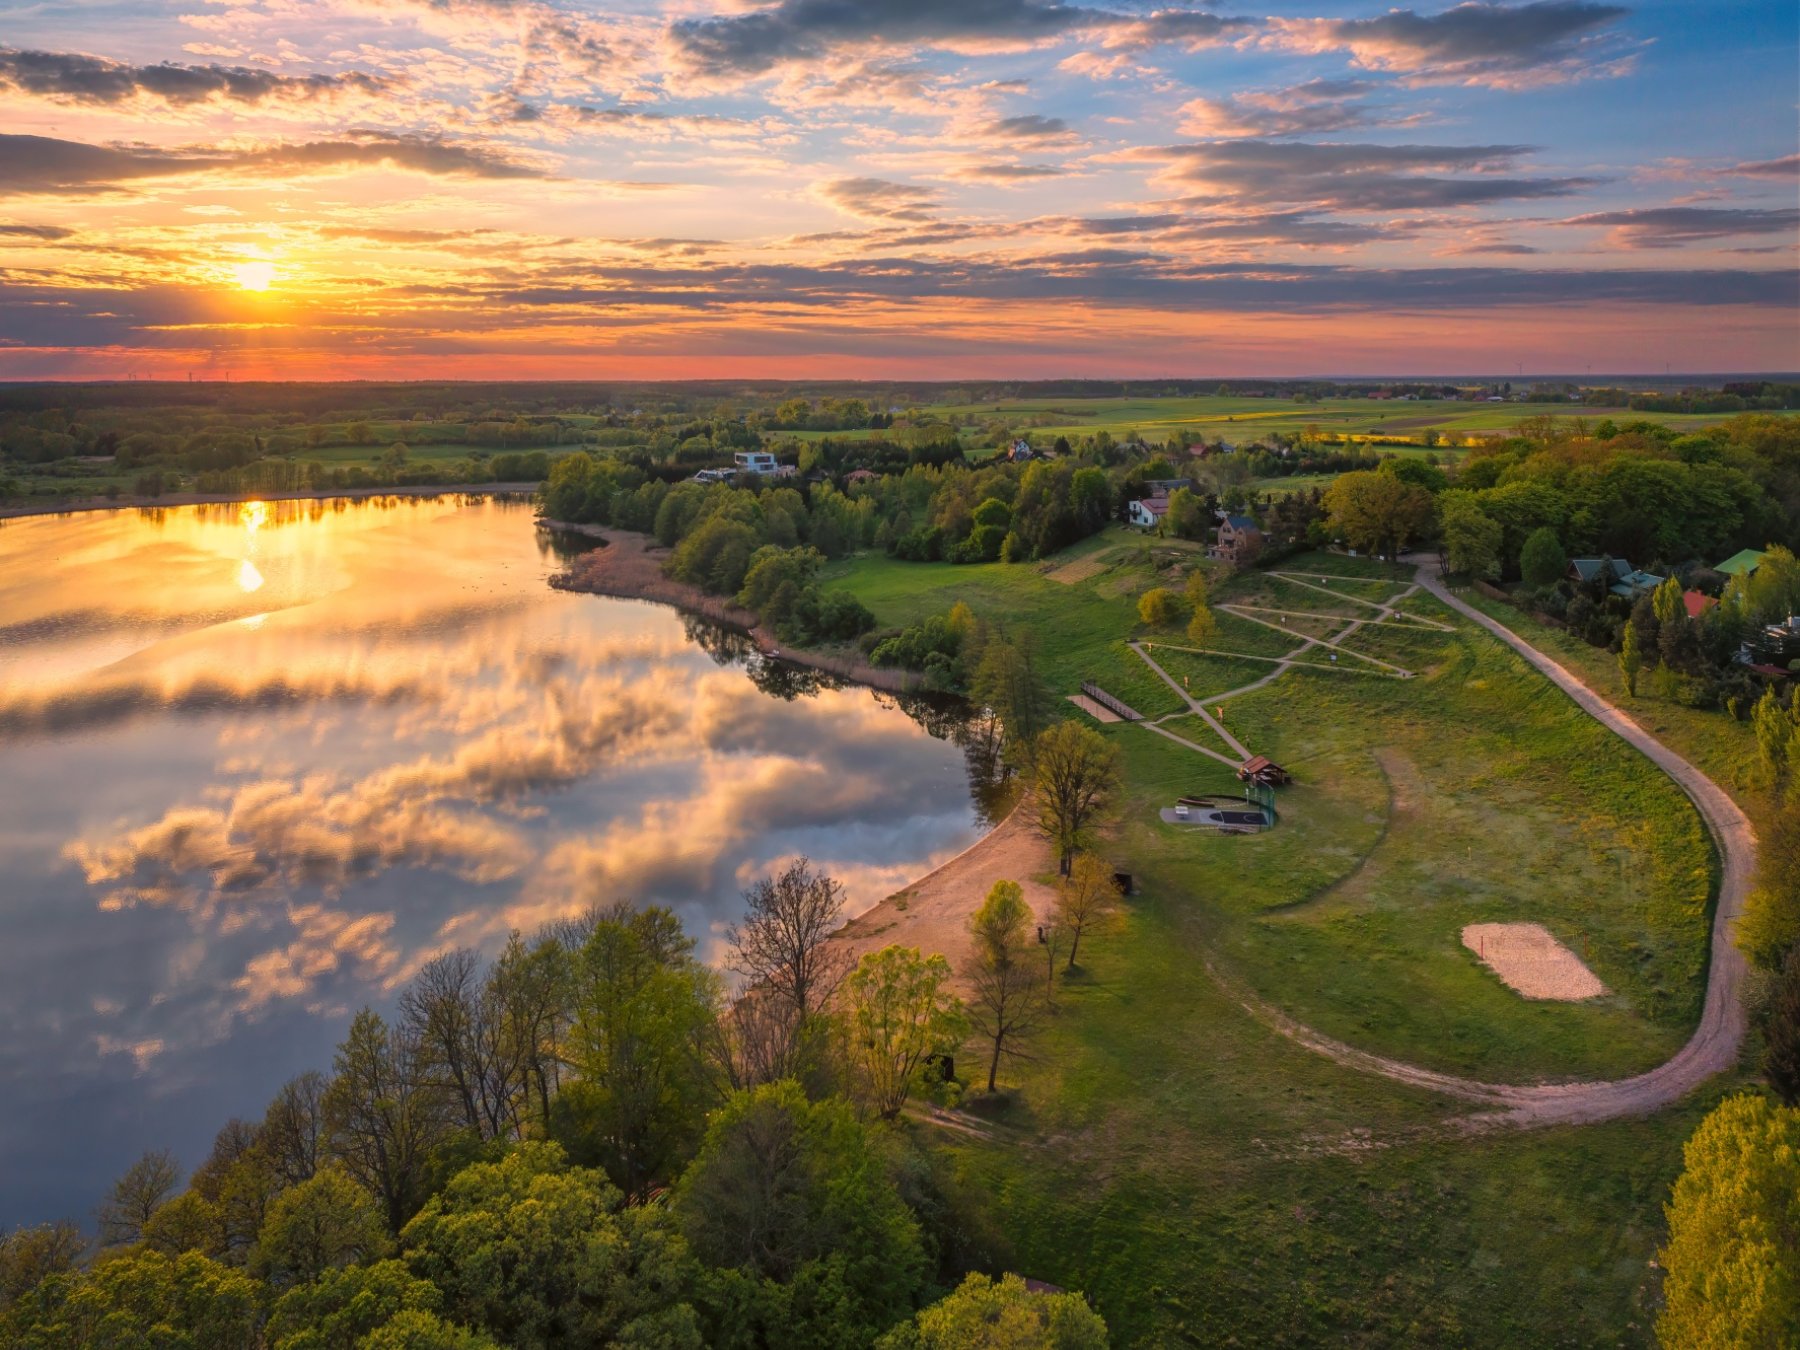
754,461
1149,512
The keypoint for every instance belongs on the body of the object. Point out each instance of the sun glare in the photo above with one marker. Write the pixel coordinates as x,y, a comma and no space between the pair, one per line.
254,276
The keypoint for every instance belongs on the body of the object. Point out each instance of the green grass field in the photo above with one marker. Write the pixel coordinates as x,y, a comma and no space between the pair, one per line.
1207,1181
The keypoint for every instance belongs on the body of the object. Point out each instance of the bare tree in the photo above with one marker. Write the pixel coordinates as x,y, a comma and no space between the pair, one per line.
458,1022
294,1127
135,1196
782,946
1084,899
1075,782
382,1116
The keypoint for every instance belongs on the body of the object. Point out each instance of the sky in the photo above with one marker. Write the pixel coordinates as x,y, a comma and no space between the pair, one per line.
896,189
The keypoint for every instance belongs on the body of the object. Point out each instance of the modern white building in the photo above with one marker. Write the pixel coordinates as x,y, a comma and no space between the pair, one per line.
759,462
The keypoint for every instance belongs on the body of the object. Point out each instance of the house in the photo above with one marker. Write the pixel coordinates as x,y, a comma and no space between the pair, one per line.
759,462
856,476
1584,570
1018,452
1633,584
1148,512
1697,603
1165,487
1743,563
1263,771
1239,540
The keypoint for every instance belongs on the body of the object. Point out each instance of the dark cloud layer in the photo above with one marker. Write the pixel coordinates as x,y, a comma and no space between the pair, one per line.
1472,43
750,44
45,165
1673,226
70,77
1359,177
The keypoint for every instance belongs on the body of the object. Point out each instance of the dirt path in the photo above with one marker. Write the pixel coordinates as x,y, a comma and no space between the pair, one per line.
1712,1049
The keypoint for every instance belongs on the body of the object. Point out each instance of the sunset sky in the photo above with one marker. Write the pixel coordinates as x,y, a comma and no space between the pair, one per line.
894,188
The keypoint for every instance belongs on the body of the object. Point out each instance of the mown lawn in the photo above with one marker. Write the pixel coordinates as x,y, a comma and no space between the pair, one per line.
1208,1181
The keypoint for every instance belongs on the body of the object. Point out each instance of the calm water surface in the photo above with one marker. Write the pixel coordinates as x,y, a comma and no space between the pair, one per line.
257,763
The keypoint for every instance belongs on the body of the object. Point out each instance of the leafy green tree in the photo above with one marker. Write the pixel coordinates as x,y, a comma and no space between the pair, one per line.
139,1298
989,1314
1007,682
1158,607
897,1009
324,1223
413,1329
642,1008
1378,511
1770,926
1732,1263
188,1223
1472,538
343,1305
1781,1033
30,1255
1774,734
1188,517
1075,786
795,1194
1631,660
538,1253
1084,900
1007,997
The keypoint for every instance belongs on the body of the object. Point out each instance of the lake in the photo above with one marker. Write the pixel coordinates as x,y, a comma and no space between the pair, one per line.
258,762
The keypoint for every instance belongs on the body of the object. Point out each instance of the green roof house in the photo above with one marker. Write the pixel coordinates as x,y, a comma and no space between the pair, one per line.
1741,563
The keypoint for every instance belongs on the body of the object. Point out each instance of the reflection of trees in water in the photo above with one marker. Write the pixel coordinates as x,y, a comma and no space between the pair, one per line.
993,787
564,546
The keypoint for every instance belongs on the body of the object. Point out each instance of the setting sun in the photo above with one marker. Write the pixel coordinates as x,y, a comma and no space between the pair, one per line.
254,276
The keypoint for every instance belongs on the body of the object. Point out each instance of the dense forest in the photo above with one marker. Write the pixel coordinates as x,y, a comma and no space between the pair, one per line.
585,1142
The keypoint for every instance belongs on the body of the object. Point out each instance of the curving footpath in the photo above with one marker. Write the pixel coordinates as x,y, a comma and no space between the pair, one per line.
1713,1047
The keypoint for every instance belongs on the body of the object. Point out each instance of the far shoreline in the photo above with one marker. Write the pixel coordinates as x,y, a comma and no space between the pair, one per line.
75,505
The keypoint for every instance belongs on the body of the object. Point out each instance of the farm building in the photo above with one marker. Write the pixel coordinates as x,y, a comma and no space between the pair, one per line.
1239,540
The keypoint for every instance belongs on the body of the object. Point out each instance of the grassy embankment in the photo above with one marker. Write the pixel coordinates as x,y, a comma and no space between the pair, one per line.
1208,1181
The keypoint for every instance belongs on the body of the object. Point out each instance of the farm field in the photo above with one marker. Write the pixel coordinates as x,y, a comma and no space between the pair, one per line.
1242,419
1158,1114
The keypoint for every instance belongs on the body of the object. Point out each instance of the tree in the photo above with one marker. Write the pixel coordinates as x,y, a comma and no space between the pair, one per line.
989,1314
1781,1034
539,1253
643,1008
1732,1262
1007,996
1158,607
294,1127
137,1195
1774,731
344,1307
141,1298
1007,682
1631,661
1075,784
322,1224
796,1193
897,1010
458,1024
1472,538
188,1223
1378,511
1086,896
782,943
31,1255
1770,926
382,1117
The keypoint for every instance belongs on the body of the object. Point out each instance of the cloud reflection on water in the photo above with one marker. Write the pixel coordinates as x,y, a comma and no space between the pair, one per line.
231,827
